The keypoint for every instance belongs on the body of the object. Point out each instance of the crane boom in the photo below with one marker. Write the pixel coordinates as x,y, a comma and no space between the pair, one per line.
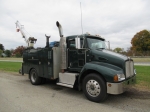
29,41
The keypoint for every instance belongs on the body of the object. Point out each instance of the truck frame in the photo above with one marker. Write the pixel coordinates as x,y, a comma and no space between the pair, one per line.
90,67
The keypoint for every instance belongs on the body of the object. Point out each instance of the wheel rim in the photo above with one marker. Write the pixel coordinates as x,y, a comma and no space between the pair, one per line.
33,76
93,88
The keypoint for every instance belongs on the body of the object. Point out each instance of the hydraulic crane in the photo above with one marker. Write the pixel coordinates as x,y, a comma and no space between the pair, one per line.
29,41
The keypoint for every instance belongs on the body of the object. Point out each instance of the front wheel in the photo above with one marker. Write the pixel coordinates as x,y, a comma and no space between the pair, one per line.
34,78
94,88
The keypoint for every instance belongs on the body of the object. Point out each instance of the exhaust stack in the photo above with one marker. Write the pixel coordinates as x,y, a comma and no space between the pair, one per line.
47,40
59,28
62,48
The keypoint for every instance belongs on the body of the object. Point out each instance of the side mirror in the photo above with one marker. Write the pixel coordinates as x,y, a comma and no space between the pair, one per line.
107,43
77,43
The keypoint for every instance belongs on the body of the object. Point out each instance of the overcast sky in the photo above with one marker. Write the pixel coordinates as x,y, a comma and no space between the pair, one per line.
115,20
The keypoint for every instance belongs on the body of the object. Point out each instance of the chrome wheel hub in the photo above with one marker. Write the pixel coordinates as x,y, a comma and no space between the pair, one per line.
93,88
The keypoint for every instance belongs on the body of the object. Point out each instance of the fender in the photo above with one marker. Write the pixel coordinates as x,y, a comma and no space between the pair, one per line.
107,71
31,66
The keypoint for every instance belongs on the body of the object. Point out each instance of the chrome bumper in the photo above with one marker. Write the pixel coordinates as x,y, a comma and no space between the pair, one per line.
118,88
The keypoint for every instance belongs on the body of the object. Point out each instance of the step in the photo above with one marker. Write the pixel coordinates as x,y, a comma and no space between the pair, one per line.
67,78
66,85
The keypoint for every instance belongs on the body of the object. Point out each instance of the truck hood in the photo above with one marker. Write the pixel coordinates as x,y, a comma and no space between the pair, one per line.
110,57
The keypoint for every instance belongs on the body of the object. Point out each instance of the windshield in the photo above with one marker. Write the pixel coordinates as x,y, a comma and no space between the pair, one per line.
95,43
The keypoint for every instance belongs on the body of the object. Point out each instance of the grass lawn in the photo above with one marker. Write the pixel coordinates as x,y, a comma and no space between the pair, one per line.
10,66
143,76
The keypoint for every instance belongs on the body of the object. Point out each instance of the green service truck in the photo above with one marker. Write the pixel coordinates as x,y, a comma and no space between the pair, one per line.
89,66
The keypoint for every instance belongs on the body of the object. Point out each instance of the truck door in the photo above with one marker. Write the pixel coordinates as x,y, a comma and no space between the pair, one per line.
76,57
47,63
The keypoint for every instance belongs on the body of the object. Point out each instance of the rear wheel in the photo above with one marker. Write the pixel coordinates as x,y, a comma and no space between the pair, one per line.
34,78
94,88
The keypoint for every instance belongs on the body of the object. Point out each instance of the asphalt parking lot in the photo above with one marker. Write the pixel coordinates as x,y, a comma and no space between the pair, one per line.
17,94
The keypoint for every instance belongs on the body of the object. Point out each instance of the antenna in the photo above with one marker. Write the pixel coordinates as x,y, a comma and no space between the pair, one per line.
81,25
81,18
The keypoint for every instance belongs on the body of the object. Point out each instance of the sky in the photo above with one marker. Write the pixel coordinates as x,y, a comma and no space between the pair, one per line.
115,20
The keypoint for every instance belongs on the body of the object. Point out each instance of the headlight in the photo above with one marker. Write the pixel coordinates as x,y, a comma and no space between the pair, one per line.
119,77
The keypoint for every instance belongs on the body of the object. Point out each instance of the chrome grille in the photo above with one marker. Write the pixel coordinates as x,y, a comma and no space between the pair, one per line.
129,68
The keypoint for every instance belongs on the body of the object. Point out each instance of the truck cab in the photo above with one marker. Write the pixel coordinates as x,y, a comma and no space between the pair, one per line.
78,57
93,57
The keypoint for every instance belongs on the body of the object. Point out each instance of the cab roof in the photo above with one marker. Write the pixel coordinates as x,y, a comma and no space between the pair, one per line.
85,35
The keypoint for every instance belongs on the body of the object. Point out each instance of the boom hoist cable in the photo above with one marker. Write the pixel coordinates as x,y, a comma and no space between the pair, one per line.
29,41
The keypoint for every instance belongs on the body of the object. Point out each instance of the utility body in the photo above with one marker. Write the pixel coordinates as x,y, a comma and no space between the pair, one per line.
90,67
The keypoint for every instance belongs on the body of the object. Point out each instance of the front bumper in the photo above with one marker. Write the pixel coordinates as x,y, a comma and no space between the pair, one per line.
118,88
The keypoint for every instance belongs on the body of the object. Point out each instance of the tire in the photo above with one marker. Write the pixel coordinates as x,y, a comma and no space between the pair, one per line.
43,80
21,71
34,78
94,88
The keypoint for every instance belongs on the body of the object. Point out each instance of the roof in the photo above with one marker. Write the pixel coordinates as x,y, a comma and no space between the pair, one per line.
85,35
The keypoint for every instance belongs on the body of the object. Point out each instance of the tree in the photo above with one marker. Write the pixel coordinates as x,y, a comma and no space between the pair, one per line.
129,52
19,51
2,47
1,52
8,53
12,52
141,42
118,50
18,55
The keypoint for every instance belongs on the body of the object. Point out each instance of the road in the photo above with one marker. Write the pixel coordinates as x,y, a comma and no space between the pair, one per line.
18,95
142,63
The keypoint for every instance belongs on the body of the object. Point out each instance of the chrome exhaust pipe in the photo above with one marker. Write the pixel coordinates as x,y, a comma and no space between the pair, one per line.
62,45
47,40
59,28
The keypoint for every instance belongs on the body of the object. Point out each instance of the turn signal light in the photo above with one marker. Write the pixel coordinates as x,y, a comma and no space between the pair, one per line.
116,78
